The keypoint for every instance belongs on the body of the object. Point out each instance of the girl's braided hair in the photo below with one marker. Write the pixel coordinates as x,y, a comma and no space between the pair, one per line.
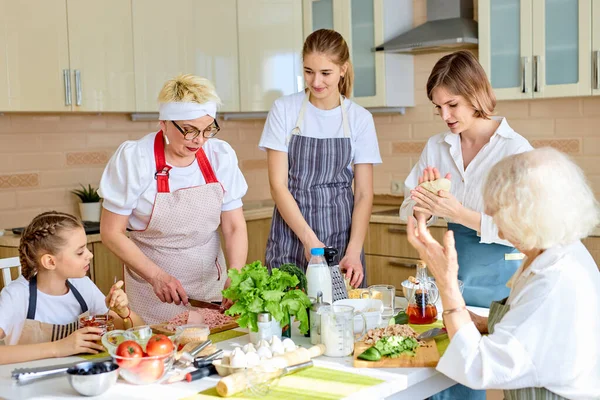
43,234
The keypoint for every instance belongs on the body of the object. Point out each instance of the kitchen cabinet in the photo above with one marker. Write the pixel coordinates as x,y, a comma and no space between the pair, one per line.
381,79
536,49
7,252
4,91
596,48
270,47
390,258
198,37
68,55
106,266
258,233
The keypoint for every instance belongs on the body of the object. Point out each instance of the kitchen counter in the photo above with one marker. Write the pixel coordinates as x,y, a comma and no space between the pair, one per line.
399,383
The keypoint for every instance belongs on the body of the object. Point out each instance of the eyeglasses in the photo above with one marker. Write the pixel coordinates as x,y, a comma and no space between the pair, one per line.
192,133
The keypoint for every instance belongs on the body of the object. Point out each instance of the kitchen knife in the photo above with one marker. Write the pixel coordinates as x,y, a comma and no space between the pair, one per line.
204,304
432,333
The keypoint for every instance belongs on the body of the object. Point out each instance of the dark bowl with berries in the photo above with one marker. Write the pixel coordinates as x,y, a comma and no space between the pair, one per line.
92,378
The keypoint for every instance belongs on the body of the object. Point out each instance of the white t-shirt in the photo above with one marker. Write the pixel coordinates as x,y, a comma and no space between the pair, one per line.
128,186
323,124
60,310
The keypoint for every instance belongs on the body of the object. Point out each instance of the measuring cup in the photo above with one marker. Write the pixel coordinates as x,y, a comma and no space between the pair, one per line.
385,293
337,329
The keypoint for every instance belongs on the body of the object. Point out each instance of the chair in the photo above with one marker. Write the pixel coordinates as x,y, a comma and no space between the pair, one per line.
5,265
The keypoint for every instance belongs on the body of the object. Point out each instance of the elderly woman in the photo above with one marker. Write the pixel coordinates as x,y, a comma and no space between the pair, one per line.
543,337
172,189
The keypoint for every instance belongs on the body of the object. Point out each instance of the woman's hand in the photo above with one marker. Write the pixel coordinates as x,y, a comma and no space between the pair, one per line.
227,303
429,174
481,323
117,300
442,261
168,288
353,268
81,341
311,245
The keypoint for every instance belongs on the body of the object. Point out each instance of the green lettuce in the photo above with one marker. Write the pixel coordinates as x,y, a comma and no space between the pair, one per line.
253,290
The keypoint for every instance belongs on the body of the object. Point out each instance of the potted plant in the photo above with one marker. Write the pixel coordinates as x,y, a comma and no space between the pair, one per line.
89,207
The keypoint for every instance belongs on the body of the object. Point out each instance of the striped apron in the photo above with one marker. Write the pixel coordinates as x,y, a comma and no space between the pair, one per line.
497,311
42,332
321,183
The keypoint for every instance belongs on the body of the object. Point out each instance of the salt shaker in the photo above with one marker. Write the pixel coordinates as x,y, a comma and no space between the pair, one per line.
315,319
265,327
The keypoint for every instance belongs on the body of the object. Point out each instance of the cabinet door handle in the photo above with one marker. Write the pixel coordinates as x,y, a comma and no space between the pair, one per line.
397,230
536,76
78,93
596,61
402,264
524,86
67,79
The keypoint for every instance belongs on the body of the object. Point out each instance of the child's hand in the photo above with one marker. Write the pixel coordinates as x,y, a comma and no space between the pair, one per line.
117,300
81,341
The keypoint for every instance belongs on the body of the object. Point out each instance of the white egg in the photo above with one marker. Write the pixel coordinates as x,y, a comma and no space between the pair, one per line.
264,352
237,359
252,359
249,348
289,345
277,348
263,343
275,339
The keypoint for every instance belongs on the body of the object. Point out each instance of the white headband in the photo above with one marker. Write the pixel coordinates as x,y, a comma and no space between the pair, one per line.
185,111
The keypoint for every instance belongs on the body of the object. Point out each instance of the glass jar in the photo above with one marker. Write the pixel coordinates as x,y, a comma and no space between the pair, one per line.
102,321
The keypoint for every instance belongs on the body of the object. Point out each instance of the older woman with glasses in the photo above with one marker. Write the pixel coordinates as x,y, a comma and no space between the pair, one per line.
172,189
543,338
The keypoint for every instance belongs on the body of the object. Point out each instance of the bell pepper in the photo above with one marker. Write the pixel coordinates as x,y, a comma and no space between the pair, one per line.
370,354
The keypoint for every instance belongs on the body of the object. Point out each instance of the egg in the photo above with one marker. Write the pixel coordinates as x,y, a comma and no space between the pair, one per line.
249,348
263,343
252,359
237,358
289,345
275,339
264,352
277,348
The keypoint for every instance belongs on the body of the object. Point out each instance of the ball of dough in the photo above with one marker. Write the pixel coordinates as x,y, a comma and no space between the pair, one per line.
437,185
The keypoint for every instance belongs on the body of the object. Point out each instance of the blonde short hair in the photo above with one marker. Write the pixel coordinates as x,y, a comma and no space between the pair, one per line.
540,199
461,74
188,88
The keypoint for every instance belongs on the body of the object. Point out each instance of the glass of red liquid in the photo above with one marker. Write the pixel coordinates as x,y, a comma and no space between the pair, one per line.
102,321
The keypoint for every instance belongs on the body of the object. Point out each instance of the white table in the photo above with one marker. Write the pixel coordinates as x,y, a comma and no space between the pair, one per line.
400,383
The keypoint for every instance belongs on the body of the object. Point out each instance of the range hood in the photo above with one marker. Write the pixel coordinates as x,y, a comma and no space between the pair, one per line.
450,26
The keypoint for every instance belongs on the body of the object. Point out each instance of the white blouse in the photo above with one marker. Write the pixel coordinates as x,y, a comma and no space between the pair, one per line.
128,186
548,338
444,152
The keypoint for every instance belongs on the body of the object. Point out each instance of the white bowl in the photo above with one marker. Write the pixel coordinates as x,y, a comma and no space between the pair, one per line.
372,308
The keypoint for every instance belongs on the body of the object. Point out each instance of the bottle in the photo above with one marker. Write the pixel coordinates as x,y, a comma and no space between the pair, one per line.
315,319
318,276
265,328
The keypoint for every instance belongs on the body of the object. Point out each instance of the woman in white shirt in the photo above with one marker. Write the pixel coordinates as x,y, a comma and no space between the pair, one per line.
541,343
318,144
172,189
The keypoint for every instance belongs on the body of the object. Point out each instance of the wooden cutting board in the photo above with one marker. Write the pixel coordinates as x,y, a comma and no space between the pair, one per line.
161,328
426,356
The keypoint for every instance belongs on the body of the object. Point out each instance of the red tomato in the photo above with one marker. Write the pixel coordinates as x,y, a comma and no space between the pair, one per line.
159,345
131,351
150,370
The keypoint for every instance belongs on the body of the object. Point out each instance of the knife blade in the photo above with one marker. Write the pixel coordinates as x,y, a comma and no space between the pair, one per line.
204,304
432,333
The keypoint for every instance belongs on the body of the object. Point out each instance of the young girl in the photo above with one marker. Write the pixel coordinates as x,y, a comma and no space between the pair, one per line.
39,310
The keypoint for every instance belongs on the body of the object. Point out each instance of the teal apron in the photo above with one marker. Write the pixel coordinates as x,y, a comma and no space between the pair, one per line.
497,311
484,270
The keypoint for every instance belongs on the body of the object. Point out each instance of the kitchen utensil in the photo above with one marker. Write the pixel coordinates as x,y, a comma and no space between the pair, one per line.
426,355
28,375
187,358
192,375
146,370
408,285
337,329
93,384
372,308
262,379
204,304
432,333
201,360
338,285
422,298
387,295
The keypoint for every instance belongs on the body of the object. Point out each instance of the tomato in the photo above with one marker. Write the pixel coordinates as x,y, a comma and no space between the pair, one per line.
132,353
150,370
159,345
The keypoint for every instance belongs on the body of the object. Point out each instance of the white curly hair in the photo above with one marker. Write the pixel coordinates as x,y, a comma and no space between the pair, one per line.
540,199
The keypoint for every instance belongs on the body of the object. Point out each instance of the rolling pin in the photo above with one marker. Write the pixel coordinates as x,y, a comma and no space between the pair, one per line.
238,382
